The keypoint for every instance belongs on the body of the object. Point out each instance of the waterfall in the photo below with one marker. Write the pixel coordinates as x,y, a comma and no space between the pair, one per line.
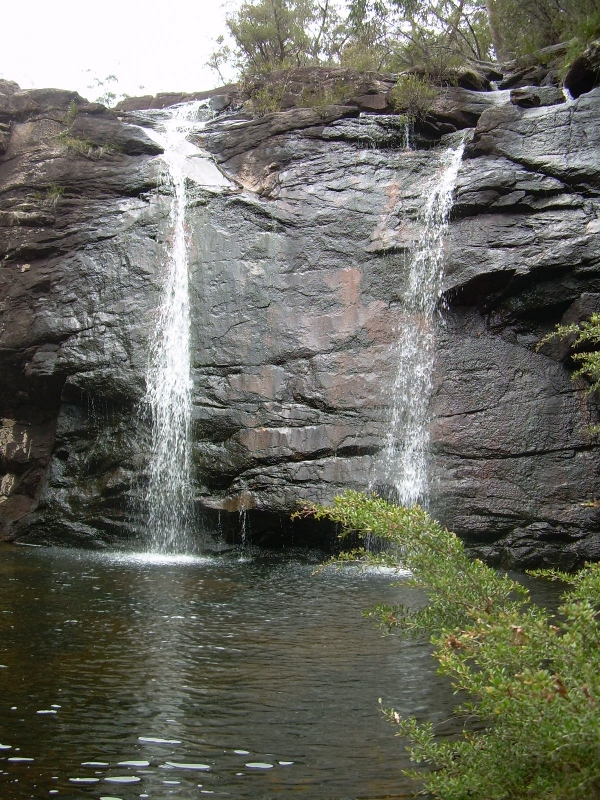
405,455
408,133
168,381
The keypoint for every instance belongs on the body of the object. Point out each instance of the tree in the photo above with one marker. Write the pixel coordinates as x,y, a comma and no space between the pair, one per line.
522,27
106,90
434,34
431,37
531,721
275,34
219,57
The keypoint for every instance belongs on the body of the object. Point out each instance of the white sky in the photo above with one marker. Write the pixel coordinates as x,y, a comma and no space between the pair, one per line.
67,43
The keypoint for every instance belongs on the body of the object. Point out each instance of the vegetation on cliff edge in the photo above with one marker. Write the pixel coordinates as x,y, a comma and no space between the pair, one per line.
434,36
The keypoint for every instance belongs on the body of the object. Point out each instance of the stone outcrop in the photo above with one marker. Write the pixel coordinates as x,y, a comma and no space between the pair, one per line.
78,248
584,72
297,276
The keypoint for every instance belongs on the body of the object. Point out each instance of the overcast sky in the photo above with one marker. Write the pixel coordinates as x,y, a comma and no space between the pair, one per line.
68,43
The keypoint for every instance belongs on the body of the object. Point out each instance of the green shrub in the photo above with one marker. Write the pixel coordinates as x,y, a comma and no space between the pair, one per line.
72,113
84,147
53,194
587,341
267,98
313,97
413,96
531,720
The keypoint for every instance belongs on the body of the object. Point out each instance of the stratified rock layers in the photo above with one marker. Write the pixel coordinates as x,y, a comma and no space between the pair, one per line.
296,284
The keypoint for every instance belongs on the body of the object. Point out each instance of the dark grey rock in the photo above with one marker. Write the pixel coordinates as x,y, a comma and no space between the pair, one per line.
511,431
297,279
35,103
539,69
77,281
584,72
534,96
231,93
462,108
229,141
561,141
124,138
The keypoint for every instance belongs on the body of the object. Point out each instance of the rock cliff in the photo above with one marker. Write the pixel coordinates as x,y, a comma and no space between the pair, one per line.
297,274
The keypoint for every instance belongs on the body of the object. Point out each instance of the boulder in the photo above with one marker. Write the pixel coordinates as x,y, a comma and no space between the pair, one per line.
107,132
584,72
534,96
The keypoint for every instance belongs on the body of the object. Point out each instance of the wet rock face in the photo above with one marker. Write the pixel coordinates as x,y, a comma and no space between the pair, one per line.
297,278
79,221
304,342
584,73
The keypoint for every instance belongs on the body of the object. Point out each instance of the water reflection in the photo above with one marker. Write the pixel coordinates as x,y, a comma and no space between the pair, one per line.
172,677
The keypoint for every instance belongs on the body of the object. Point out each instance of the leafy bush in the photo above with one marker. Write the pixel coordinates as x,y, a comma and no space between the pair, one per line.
84,147
587,340
413,95
531,723
72,113
279,34
53,194
437,36
267,98
325,96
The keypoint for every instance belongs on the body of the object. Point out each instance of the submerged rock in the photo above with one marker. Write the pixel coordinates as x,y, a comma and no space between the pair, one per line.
297,275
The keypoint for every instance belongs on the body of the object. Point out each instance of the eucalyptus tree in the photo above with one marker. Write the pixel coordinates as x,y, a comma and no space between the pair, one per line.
435,36
522,27
438,32
276,34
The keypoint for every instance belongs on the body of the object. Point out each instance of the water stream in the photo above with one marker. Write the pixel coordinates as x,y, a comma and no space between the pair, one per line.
168,381
404,463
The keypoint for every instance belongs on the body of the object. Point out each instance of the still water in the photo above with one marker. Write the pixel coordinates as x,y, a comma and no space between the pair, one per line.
239,676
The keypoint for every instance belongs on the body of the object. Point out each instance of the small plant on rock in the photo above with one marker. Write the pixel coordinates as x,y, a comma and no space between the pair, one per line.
587,342
326,96
267,98
413,95
72,113
53,194
85,147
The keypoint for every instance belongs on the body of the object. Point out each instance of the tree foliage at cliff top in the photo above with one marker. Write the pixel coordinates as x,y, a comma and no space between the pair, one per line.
531,720
435,35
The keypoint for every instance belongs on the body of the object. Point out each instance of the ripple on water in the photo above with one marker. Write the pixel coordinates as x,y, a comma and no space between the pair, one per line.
153,558
134,665
152,740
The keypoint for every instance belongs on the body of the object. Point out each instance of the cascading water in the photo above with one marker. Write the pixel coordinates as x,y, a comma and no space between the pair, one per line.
404,463
169,382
